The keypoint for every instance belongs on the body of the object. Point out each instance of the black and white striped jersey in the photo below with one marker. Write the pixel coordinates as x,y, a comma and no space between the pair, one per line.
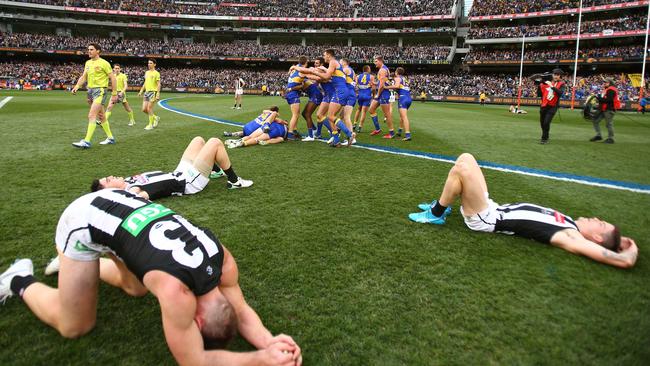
145,235
532,221
239,84
158,184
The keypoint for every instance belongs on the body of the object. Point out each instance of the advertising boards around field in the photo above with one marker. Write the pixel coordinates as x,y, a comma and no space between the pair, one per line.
513,101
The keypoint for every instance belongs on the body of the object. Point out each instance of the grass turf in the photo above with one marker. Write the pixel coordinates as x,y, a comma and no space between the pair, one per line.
324,247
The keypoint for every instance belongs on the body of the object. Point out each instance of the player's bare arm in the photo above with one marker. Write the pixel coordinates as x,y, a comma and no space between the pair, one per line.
573,242
250,324
80,82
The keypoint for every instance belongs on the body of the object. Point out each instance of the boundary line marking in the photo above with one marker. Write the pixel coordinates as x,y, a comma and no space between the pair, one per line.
5,101
565,177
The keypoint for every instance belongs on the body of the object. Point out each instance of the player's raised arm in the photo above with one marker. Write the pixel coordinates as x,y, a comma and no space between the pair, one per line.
573,242
80,82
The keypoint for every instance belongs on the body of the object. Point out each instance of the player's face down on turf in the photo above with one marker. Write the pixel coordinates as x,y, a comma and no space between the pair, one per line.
194,278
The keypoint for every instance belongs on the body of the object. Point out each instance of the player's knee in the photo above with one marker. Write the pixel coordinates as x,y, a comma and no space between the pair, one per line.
466,158
76,330
214,141
198,140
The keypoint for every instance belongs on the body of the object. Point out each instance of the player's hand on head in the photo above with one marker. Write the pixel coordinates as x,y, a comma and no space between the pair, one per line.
628,244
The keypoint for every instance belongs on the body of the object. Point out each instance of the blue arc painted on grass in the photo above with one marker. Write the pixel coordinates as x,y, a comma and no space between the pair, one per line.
567,177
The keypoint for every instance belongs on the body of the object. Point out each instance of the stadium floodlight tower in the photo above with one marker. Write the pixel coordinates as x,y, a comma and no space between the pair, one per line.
575,64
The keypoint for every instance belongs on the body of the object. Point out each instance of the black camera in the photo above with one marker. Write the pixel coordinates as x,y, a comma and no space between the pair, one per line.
542,78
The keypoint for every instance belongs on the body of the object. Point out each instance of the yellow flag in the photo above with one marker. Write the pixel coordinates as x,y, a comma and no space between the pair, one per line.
636,80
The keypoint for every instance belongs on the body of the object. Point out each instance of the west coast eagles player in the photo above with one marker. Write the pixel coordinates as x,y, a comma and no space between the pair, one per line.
151,90
122,87
97,73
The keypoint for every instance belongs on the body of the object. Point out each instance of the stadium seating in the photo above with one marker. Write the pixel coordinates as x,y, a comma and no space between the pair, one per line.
624,23
489,7
296,8
237,48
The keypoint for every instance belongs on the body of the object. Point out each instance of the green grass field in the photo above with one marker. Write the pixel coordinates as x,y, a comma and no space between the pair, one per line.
325,250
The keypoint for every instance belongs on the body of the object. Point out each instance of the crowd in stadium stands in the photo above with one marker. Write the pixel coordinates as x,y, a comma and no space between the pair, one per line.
270,8
594,26
490,7
237,48
42,75
634,51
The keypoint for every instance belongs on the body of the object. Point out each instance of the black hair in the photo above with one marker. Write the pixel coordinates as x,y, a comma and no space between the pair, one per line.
95,185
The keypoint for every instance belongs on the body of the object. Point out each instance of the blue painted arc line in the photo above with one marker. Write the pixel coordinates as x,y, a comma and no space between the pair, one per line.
566,177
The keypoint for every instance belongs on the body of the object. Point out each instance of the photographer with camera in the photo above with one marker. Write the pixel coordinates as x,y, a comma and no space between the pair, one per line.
550,87
608,104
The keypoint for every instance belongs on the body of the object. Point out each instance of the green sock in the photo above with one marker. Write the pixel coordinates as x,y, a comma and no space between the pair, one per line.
131,117
91,130
107,129
108,115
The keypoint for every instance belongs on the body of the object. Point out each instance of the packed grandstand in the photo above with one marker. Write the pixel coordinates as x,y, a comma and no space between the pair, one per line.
466,52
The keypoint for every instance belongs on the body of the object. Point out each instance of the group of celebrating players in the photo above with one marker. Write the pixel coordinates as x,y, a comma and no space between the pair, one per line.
333,90
117,234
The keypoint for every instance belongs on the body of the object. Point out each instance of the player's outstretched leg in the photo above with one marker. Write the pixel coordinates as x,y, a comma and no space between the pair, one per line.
465,180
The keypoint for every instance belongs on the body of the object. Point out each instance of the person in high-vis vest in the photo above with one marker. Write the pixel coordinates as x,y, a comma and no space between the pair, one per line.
550,92
609,103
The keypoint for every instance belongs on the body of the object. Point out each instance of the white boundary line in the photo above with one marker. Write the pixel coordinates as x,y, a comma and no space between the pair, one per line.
448,161
5,101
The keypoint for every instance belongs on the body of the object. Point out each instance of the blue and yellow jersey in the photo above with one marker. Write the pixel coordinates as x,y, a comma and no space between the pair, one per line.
350,78
364,85
295,79
404,90
312,87
338,77
328,87
263,118
384,67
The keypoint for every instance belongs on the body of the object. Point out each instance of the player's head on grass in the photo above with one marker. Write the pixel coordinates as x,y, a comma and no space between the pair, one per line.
151,63
274,108
379,61
216,320
329,54
107,182
117,69
601,232
94,50
399,71
303,60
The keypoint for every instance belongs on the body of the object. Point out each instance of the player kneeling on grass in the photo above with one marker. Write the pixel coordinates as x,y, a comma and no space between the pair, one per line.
193,276
191,176
593,238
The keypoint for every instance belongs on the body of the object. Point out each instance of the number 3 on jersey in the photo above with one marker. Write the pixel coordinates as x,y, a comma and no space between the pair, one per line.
159,239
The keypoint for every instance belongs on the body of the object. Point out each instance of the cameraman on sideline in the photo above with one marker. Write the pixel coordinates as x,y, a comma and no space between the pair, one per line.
609,103
550,91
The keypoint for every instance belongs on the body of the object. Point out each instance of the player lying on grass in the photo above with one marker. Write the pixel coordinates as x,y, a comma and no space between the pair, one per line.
270,130
193,276
593,238
266,117
190,176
